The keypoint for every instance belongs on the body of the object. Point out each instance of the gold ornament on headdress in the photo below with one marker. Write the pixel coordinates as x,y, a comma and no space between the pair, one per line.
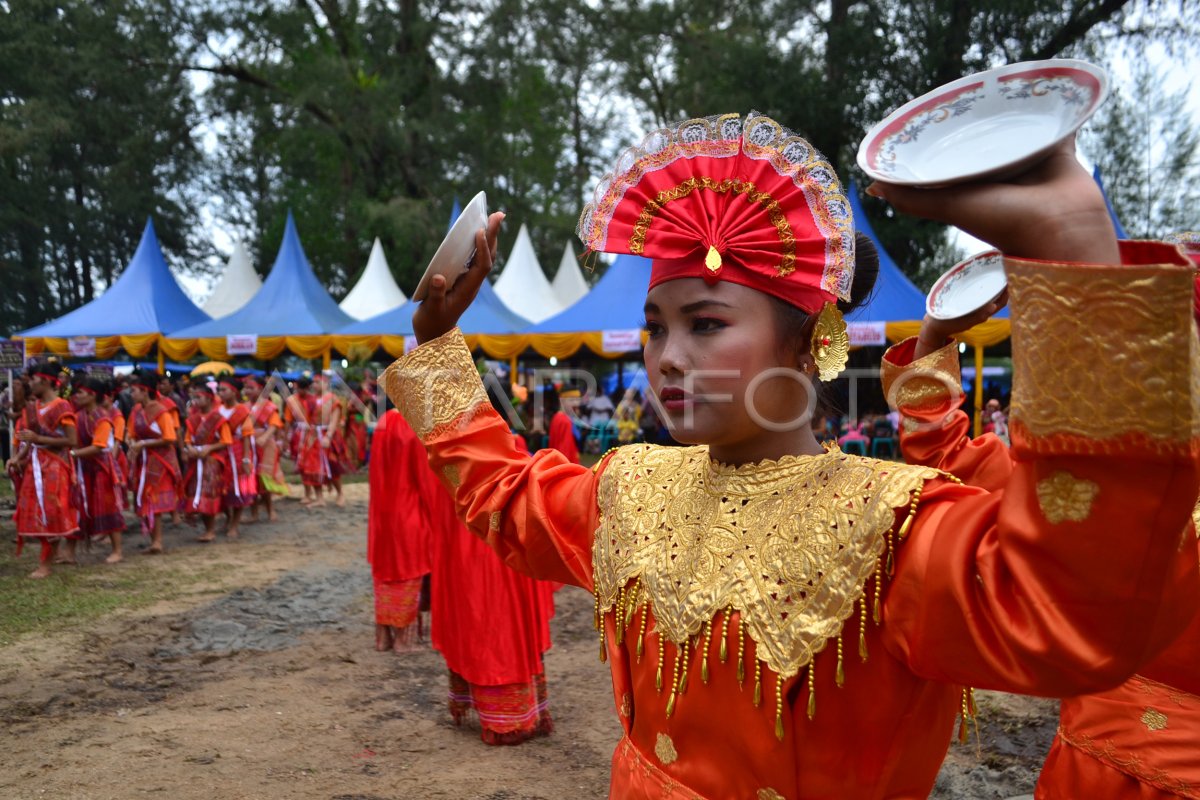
830,343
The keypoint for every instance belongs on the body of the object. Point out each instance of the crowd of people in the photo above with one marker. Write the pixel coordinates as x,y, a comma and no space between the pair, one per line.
90,448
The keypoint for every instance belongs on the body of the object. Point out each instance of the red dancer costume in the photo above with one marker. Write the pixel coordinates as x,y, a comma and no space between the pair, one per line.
330,416
154,475
207,476
242,478
1136,741
100,484
44,508
724,594
398,546
265,447
562,432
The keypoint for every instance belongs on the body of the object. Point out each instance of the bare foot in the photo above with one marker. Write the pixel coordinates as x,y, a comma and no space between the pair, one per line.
66,560
206,538
115,558
232,533
153,550
273,517
341,501
43,571
316,504
383,638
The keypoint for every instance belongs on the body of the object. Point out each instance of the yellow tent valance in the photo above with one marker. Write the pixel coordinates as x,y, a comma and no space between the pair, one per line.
137,345
985,334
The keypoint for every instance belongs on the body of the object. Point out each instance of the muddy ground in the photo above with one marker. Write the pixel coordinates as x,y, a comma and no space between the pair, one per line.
260,681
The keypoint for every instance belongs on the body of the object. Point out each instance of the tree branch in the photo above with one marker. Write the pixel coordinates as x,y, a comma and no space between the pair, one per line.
1075,28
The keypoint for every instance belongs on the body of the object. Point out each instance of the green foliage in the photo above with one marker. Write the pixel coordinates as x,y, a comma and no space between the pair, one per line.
1148,153
95,136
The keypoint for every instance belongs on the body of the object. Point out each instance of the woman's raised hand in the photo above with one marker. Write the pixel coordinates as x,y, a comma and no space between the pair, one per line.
443,306
1053,212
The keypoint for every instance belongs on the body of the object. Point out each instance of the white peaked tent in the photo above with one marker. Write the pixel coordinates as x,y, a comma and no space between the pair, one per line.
523,286
569,285
238,283
376,290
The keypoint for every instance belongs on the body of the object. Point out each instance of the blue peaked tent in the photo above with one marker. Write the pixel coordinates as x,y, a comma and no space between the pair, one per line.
145,299
1117,226
896,298
291,302
614,303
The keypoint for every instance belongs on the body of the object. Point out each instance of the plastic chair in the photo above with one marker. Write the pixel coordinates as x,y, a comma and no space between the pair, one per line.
854,446
883,436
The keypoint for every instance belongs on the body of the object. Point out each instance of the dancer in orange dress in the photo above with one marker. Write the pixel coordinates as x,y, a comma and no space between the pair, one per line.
206,452
154,474
330,417
265,449
99,481
300,413
242,479
398,535
45,512
786,621
1138,740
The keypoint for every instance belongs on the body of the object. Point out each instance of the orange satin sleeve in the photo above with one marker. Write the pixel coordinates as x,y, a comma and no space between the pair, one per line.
247,427
934,431
166,424
275,422
537,512
223,435
104,429
119,426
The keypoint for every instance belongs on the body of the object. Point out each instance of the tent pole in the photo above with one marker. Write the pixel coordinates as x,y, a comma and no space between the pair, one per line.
326,357
162,359
978,390
512,371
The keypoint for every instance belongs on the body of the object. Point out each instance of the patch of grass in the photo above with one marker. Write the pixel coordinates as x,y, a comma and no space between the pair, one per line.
72,596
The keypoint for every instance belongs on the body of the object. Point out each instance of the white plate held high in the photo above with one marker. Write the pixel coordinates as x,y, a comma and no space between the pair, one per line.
992,124
457,250
967,286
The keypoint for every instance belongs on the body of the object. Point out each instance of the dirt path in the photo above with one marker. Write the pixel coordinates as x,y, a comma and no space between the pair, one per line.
261,682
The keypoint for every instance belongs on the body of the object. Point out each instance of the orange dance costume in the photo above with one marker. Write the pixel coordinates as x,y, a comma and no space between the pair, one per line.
242,478
398,546
207,478
807,627
100,483
44,507
266,456
1139,740
154,474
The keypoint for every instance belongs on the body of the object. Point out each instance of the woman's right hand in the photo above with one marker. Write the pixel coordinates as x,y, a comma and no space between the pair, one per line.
443,307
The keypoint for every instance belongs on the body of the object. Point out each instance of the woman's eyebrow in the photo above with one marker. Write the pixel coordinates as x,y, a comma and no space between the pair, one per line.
700,304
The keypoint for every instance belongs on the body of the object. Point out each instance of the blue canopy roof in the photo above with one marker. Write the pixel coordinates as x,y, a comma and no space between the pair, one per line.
1120,229
291,302
896,298
144,299
616,302
487,314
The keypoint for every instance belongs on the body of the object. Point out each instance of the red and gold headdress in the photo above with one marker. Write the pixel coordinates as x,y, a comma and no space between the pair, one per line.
731,199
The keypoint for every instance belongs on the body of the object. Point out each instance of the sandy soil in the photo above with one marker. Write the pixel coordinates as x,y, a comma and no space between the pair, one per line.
262,682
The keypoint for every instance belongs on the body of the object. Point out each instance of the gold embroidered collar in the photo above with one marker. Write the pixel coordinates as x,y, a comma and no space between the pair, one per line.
789,544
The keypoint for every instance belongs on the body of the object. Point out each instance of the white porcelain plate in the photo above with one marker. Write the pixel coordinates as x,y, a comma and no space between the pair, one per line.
967,286
457,250
992,124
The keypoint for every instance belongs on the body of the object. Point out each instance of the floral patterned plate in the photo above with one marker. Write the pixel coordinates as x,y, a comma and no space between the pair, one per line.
989,125
457,250
967,286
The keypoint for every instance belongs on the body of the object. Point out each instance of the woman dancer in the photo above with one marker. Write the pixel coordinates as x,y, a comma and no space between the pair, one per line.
729,575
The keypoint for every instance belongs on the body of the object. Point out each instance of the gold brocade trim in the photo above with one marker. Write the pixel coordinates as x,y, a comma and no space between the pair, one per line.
929,385
435,385
1065,498
664,749
1103,352
452,475
767,793
789,544
1129,763
787,263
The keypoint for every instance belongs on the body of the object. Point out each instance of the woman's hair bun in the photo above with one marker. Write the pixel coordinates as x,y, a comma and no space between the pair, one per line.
866,272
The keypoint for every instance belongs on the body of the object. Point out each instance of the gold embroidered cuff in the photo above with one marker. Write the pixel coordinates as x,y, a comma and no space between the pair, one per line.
1103,357
929,387
436,385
